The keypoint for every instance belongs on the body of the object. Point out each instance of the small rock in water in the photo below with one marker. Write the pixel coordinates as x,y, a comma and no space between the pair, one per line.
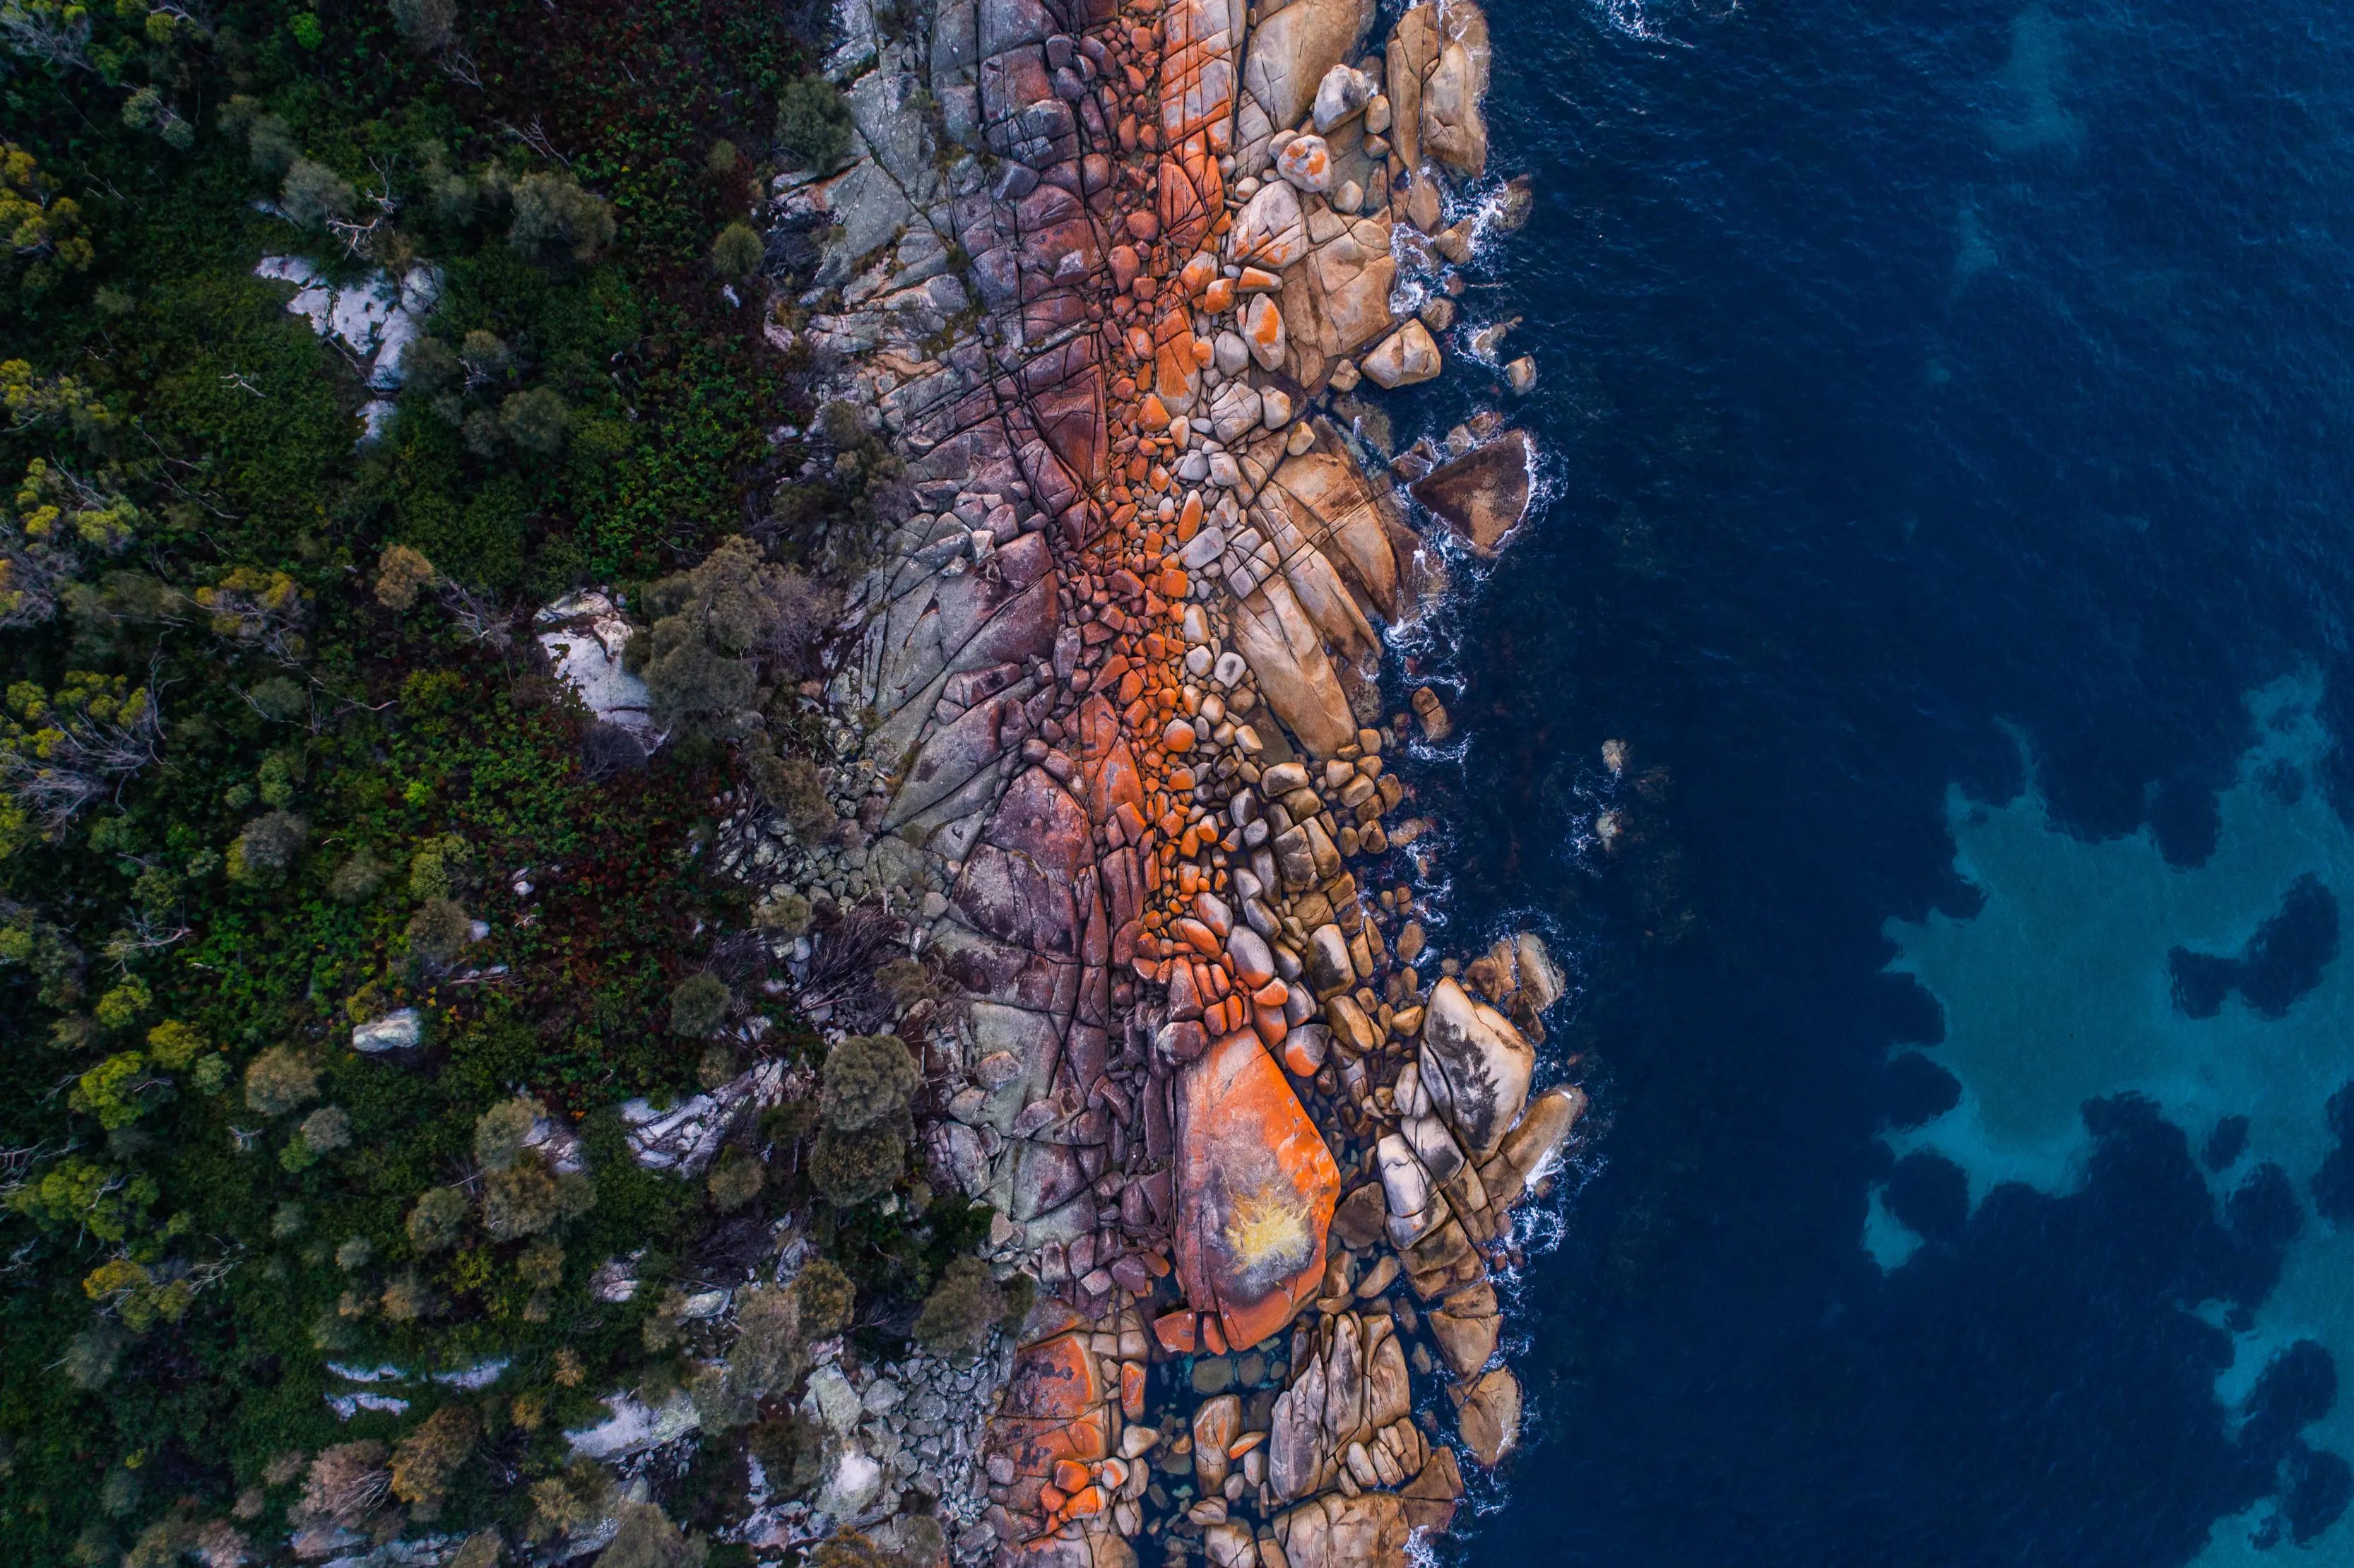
1435,726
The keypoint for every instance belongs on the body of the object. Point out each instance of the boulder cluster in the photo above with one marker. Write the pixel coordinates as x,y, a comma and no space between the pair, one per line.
1120,665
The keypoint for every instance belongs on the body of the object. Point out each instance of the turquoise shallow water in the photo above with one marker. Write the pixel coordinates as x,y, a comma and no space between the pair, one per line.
1944,414
2060,989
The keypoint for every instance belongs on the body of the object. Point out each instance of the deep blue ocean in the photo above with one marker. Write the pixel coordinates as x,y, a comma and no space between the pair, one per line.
1945,417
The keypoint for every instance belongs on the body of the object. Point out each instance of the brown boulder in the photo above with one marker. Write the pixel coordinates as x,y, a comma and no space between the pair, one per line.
1476,1066
1545,1127
1358,1221
1453,129
1287,657
1288,53
1483,494
1466,1328
1489,1419
1215,1427
1337,1531
1256,1189
1430,1498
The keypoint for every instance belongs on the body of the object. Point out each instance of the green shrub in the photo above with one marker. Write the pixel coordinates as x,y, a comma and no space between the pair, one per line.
268,848
424,1461
813,125
963,1307
500,1132
401,573
519,1200
326,1130
765,1357
437,1219
787,916
826,1296
313,194
868,1079
425,26
279,1080
554,218
439,931
699,1006
536,420
735,1178
739,252
851,1168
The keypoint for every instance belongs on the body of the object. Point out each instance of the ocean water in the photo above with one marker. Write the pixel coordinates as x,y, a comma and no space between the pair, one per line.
1949,478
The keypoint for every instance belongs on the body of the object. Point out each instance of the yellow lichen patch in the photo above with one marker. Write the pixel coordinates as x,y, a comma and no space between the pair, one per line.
1268,1231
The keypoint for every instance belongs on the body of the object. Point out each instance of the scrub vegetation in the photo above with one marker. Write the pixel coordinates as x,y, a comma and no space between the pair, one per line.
280,757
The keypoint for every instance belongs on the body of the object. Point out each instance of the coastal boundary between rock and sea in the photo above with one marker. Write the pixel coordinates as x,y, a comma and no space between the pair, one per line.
1102,272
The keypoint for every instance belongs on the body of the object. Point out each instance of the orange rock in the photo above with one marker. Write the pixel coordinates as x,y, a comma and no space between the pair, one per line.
1256,1189
1034,1444
1132,1394
1200,938
1258,281
1087,1504
1198,273
1214,1338
1272,1027
1052,1498
1219,297
1055,1378
1070,1476
1175,1331
1153,415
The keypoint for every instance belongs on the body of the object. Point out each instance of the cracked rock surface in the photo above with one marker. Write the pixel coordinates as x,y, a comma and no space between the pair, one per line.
1124,757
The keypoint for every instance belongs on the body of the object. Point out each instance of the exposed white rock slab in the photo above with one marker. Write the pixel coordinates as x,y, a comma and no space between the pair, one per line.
685,1137
634,1426
585,636
376,318
393,1032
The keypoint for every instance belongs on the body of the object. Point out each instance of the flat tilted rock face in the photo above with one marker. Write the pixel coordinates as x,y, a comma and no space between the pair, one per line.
1484,494
1256,1191
1475,1067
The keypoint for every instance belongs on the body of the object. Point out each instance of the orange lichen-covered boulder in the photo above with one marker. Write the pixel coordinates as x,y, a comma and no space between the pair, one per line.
1054,1379
1256,1189
1112,777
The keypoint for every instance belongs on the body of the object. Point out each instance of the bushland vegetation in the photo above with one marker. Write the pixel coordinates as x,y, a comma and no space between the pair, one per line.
278,757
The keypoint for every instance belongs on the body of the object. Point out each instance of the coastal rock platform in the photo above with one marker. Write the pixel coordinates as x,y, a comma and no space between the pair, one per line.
1122,661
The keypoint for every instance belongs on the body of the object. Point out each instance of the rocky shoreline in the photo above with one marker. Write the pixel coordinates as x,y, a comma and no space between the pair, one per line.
1122,773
